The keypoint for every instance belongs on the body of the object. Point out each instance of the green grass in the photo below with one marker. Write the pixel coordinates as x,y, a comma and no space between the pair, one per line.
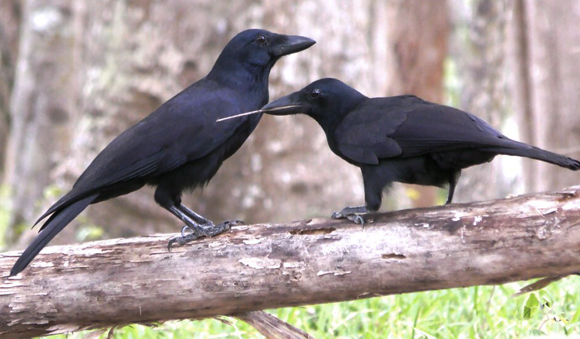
470,313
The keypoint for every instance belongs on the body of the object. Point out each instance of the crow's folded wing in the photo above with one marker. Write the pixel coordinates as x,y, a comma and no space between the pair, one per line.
147,149
407,126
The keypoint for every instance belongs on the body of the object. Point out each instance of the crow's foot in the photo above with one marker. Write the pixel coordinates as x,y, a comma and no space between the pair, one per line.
352,213
202,231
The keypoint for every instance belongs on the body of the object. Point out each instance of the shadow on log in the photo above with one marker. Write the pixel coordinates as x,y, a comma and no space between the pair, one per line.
123,281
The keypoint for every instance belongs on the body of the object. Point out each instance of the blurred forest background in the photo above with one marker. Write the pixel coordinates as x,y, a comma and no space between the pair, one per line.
74,74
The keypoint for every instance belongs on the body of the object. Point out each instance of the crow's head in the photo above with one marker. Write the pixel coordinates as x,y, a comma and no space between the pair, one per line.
323,100
260,49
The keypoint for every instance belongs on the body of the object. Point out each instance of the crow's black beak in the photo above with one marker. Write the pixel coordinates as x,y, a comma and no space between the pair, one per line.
285,106
288,44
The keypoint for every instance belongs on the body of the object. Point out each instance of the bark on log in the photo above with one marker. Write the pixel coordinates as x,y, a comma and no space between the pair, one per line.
122,281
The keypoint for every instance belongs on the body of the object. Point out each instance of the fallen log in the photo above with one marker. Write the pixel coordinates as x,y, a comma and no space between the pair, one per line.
255,267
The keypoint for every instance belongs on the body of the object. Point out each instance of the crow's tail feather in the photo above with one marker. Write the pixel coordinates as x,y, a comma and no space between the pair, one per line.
52,227
539,154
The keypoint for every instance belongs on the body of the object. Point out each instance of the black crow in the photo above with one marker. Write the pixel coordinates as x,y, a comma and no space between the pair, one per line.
179,146
401,138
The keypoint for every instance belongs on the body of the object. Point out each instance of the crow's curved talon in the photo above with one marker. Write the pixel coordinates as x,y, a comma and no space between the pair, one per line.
185,228
236,222
356,218
182,240
170,243
337,215
221,228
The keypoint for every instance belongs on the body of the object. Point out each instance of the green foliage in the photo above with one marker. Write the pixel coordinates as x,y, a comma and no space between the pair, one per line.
89,232
467,313
52,192
531,305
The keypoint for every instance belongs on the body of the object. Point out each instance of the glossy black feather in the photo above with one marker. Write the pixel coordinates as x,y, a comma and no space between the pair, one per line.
56,224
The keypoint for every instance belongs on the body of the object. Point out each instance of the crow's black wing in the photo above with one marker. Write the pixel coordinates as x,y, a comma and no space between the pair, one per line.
407,126
363,135
147,149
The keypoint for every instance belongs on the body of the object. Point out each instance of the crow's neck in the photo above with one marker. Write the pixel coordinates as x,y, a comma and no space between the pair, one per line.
332,118
245,77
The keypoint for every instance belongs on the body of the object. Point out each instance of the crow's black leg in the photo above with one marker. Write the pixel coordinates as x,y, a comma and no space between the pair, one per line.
204,221
196,217
197,231
453,178
189,222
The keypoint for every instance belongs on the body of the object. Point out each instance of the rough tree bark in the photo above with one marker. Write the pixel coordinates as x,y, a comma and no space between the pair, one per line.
546,48
254,267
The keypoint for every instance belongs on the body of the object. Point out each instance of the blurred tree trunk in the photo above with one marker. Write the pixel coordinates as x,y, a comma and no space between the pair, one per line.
133,56
479,49
42,103
10,17
547,48
417,39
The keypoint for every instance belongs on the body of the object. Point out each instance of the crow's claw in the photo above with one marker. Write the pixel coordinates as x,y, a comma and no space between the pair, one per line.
236,222
182,240
184,229
356,218
337,215
202,231
355,214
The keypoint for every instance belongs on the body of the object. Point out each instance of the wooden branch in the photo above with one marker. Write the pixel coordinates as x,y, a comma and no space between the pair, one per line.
271,327
122,281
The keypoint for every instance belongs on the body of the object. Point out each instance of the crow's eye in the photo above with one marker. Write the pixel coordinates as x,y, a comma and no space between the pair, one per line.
314,93
261,40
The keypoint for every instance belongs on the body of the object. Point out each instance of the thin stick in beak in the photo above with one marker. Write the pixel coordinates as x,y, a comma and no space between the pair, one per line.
256,112
239,115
